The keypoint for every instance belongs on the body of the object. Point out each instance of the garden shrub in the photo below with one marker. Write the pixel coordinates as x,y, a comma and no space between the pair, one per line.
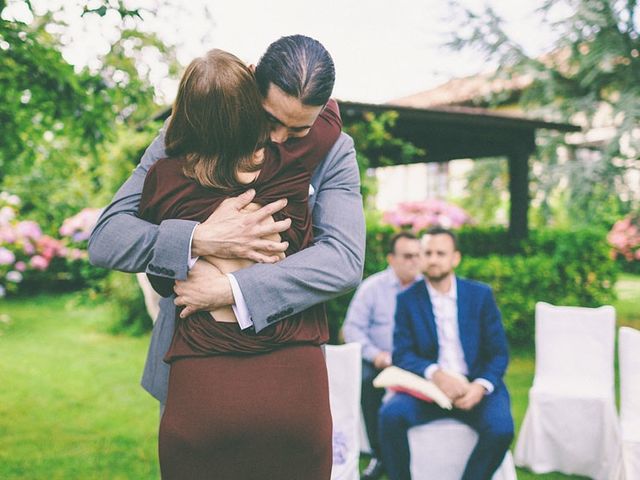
561,267
122,292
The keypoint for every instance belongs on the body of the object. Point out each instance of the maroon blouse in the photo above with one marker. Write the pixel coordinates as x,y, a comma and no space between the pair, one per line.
286,173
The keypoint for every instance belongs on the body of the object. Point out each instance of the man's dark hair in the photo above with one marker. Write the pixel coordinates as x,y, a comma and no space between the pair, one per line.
444,231
398,236
300,66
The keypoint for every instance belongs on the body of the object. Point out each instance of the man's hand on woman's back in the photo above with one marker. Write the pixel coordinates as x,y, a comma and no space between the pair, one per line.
231,233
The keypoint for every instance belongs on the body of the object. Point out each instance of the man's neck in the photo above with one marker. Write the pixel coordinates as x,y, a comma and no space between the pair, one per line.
404,282
442,286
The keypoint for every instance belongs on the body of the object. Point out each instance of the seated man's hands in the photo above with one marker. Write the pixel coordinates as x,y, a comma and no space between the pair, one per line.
453,386
206,288
382,360
475,394
231,233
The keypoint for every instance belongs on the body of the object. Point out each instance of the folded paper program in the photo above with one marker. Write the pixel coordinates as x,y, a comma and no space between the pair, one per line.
399,380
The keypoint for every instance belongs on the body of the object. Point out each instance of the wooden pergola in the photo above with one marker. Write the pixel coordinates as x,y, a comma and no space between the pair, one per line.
450,133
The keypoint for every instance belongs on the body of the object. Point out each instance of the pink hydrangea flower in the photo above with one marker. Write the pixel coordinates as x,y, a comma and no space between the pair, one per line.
29,229
6,215
424,214
28,248
20,266
50,247
13,276
79,227
6,256
39,262
624,237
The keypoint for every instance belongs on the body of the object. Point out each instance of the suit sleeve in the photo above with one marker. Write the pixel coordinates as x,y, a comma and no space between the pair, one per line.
493,344
122,241
406,351
332,265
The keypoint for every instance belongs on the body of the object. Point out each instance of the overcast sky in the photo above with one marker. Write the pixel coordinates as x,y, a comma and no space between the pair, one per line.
383,49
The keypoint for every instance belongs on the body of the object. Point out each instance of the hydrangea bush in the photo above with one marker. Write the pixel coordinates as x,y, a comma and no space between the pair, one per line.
29,259
421,215
624,237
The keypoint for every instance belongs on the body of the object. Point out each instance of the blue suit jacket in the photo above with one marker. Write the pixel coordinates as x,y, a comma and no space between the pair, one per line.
484,343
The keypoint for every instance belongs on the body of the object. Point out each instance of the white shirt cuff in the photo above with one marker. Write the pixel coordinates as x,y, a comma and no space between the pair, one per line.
430,370
192,261
239,307
486,384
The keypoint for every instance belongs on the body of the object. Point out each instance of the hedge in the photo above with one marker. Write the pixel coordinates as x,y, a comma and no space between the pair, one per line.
556,266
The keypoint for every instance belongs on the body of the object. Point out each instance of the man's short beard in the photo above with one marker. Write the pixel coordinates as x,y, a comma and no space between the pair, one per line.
437,278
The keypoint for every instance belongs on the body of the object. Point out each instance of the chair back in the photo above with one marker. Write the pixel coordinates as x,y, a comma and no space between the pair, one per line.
575,348
629,356
344,366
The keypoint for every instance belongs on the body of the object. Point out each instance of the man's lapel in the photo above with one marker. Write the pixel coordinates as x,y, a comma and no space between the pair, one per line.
426,312
463,317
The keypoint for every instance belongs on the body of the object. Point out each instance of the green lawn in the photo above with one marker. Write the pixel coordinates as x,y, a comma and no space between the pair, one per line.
70,402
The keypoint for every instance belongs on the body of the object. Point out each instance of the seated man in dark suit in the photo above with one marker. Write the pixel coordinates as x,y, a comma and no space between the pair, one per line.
446,329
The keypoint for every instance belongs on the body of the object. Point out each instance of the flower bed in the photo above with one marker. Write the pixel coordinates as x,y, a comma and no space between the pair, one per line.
31,260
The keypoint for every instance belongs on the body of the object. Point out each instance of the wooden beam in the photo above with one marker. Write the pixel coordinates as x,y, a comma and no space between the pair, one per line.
519,188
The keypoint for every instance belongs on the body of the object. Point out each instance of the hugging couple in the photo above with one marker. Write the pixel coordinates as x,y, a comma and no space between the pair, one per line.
245,213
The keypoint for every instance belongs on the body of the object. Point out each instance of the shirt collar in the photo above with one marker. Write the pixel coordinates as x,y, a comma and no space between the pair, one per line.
396,281
451,294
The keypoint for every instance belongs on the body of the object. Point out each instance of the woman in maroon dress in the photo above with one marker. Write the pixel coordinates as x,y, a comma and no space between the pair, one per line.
240,405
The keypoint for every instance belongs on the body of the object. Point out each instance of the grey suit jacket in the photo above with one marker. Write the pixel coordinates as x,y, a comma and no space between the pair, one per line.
330,267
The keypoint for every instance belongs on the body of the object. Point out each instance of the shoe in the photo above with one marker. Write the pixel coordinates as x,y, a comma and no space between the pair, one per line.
374,470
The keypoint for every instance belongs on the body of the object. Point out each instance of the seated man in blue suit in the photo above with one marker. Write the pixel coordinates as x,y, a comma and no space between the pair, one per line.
446,329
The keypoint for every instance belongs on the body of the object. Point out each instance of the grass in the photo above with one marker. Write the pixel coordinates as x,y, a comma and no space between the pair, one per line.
70,402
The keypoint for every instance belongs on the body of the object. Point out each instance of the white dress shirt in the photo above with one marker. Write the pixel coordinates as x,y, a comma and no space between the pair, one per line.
450,352
239,307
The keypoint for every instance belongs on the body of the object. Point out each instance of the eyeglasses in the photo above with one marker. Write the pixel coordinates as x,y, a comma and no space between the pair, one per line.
409,256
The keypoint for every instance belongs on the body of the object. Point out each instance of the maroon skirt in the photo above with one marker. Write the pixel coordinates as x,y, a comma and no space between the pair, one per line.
245,417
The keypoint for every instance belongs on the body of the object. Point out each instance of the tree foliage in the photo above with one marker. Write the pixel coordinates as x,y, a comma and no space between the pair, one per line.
592,71
376,145
58,121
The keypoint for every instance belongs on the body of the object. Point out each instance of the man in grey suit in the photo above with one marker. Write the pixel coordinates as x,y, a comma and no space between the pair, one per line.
296,77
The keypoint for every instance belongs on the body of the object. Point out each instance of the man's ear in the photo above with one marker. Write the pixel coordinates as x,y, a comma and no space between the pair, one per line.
252,67
457,257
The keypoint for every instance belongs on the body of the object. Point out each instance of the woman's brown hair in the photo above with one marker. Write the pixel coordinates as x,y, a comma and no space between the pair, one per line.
217,121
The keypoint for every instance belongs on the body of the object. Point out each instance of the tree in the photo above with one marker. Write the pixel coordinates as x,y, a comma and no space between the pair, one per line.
375,142
58,123
593,68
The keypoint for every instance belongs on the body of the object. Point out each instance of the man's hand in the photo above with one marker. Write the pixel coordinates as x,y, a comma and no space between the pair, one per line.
206,288
475,394
382,360
231,233
452,386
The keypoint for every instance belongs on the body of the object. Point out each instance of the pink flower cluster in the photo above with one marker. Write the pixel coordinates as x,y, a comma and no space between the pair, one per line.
24,248
427,213
624,237
79,227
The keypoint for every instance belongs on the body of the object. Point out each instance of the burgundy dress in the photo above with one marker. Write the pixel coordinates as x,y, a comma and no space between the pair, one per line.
246,405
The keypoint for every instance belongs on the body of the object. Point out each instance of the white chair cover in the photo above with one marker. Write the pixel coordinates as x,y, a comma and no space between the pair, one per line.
571,424
629,354
440,449
345,369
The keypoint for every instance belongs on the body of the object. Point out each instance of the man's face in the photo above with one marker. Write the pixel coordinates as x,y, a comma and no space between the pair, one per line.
438,256
288,117
404,259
